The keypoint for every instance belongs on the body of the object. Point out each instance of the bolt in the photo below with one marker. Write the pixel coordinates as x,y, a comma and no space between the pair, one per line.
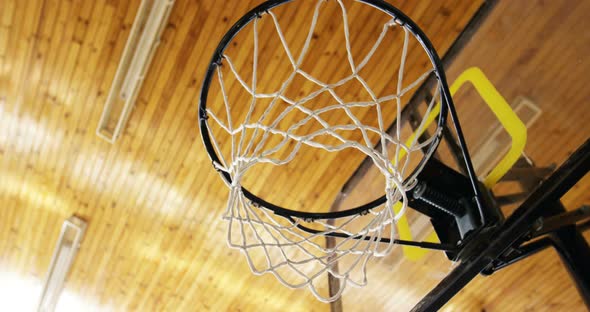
538,224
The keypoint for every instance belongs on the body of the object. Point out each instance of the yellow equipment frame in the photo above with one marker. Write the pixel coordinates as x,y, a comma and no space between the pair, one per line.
509,121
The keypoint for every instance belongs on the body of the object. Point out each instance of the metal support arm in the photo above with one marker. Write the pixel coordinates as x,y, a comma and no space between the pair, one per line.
484,252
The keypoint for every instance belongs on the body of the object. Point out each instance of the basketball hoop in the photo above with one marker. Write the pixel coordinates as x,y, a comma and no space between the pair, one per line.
290,243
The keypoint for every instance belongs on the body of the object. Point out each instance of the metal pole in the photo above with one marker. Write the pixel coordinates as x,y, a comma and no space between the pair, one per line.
575,255
489,248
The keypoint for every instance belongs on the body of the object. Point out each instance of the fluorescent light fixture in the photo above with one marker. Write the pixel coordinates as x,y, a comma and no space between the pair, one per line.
137,56
68,243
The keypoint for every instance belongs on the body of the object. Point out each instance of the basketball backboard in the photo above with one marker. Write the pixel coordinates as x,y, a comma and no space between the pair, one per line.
512,60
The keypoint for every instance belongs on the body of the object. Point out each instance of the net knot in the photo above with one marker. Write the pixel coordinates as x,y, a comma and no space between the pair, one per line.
219,60
203,114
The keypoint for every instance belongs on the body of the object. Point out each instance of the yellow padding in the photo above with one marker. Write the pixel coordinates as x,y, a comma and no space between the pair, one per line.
509,121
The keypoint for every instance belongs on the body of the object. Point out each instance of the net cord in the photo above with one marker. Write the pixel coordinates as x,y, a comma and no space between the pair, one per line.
286,245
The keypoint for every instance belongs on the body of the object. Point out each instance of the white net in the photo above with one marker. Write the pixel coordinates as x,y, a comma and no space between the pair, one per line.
294,249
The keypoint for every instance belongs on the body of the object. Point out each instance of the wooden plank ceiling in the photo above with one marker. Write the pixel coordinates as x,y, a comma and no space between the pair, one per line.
155,239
